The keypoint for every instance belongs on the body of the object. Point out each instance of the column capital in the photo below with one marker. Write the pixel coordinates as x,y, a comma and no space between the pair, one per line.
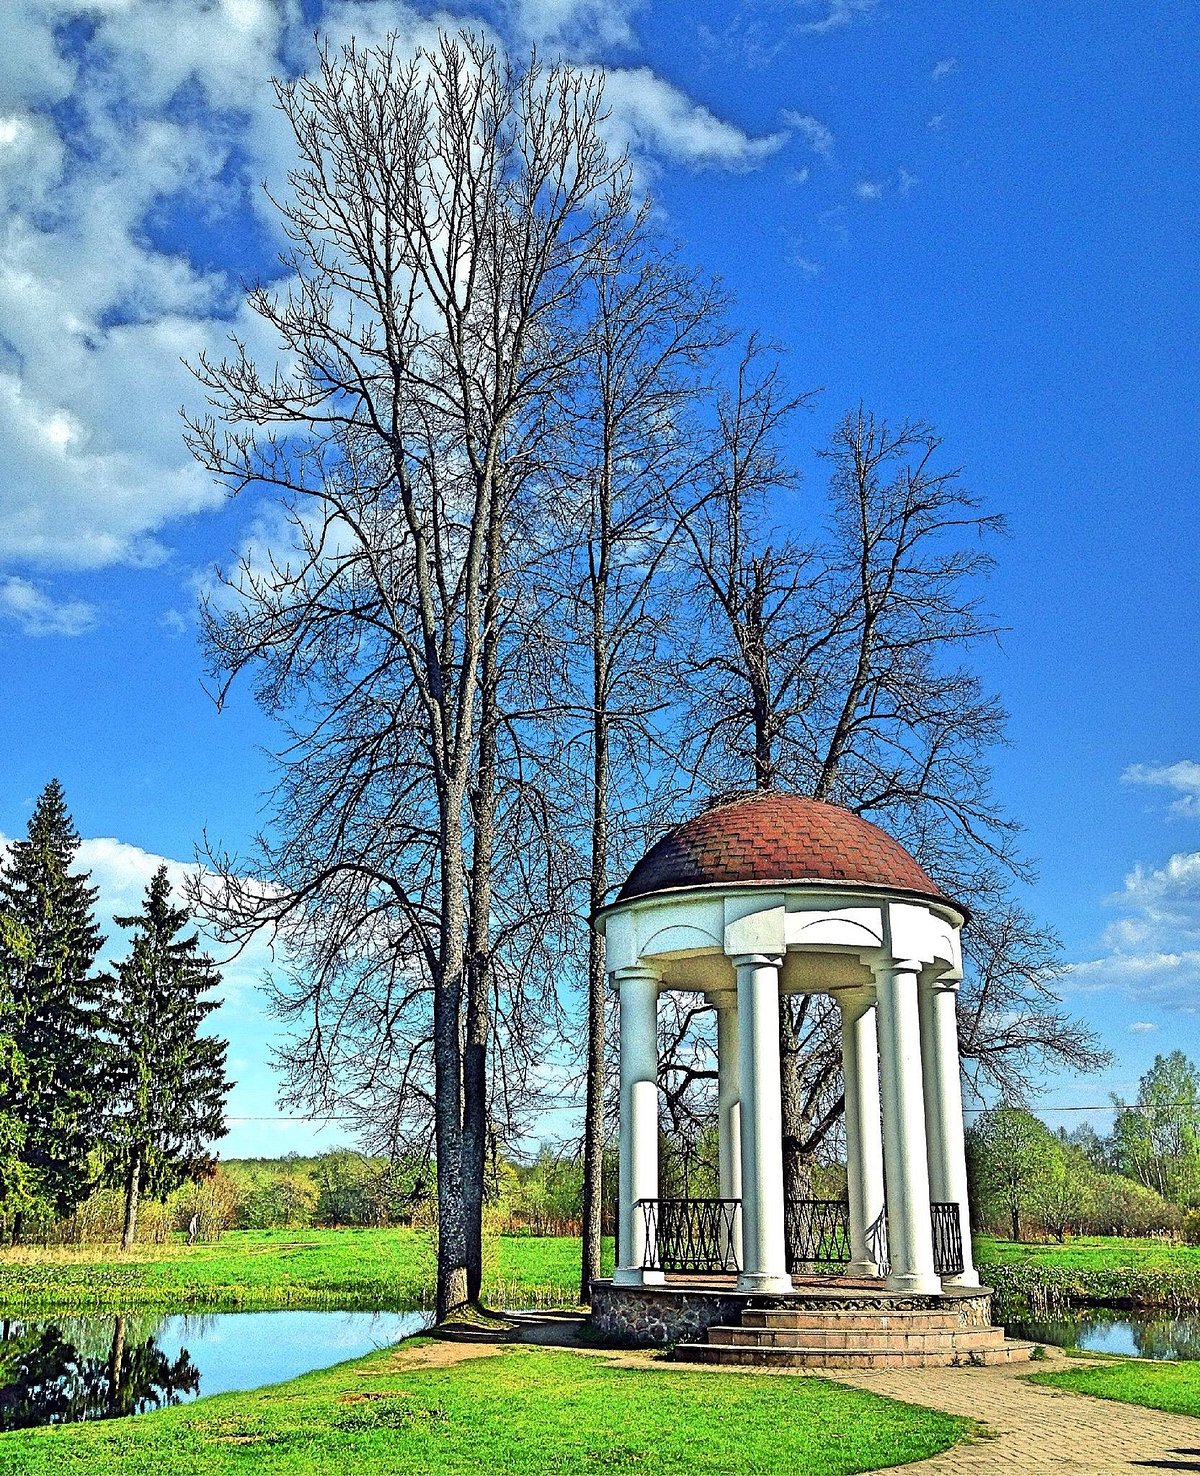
885,967
762,960
945,983
637,971
854,1003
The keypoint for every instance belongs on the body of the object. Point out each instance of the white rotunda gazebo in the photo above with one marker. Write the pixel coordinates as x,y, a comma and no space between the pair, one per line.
771,894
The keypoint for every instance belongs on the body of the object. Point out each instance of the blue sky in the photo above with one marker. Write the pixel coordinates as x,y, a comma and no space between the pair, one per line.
982,215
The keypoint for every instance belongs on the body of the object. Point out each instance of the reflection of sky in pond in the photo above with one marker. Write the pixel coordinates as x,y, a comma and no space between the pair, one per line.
1148,1334
244,1350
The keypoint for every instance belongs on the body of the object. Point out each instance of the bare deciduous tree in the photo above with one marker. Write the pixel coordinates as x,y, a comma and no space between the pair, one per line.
837,670
443,217
628,455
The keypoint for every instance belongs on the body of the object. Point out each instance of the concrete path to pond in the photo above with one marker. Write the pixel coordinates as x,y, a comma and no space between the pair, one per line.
1032,1430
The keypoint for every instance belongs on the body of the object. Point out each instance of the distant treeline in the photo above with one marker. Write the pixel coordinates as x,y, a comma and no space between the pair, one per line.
1142,1178
338,1188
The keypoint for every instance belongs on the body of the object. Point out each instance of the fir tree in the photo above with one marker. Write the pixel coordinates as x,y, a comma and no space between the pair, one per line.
167,1081
47,948
14,1078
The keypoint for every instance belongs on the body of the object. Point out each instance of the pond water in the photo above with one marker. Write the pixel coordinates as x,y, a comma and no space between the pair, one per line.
1136,1334
53,1371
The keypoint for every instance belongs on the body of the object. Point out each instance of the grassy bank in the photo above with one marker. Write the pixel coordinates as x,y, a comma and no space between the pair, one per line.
527,1410
394,1269
1039,1280
1174,1387
260,1269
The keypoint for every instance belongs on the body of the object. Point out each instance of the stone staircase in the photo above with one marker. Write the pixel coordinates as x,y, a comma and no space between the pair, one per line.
863,1337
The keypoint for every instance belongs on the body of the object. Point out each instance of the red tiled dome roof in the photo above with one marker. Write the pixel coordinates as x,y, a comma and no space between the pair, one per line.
772,838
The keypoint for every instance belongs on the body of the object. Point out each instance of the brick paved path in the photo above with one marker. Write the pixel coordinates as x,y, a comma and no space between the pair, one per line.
1037,1429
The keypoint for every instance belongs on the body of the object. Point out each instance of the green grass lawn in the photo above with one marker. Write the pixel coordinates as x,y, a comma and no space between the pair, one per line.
391,1269
1092,1253
1174,1387
527,1410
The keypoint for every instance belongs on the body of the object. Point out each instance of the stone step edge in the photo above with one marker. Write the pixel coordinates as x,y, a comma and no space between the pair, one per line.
1007,1352
842,1317
758,1337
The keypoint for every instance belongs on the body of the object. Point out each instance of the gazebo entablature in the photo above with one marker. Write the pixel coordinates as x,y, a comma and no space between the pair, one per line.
893,963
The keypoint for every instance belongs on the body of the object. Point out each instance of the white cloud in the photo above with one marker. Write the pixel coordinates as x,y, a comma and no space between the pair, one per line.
650,117
868,189
172,111
836,14
1142,1027
175,622
944,68
583,24
1182,777
906,182
1153,949
815,134
35,613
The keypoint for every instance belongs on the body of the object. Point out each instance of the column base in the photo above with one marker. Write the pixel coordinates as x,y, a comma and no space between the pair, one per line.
638,1276
923,1284
967,1280
763,1281
864,1269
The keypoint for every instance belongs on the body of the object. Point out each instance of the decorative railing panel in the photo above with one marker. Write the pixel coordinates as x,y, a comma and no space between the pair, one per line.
818,1232
877,1243
947,1239
698,1235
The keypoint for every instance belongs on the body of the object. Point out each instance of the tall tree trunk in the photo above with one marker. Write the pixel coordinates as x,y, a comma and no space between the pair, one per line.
479,949
447,1054
133,1185
797,1165
593,1116
1015,1213
593,1111
18,1227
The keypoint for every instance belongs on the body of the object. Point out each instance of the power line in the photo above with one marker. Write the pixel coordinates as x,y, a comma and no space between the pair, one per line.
1104,1107
1088,1107
320,1121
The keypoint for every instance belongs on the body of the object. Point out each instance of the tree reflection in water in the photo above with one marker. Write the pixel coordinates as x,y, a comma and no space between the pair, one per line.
47,1379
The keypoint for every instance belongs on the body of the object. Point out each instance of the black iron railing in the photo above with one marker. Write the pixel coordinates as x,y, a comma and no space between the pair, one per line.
817,1232
690,1234
877,1243
700,1235
947,1239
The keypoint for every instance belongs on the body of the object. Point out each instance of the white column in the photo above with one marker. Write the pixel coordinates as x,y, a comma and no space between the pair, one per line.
729,1094
638,1175
864,1136
764,1263
729,1117
910,1232
943,1112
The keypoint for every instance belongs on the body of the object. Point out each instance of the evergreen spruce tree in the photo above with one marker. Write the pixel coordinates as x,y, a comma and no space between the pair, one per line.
47,948
14,1078
167,1081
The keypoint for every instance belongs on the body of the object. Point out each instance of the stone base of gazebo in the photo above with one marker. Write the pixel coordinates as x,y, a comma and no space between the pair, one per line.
823,1322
